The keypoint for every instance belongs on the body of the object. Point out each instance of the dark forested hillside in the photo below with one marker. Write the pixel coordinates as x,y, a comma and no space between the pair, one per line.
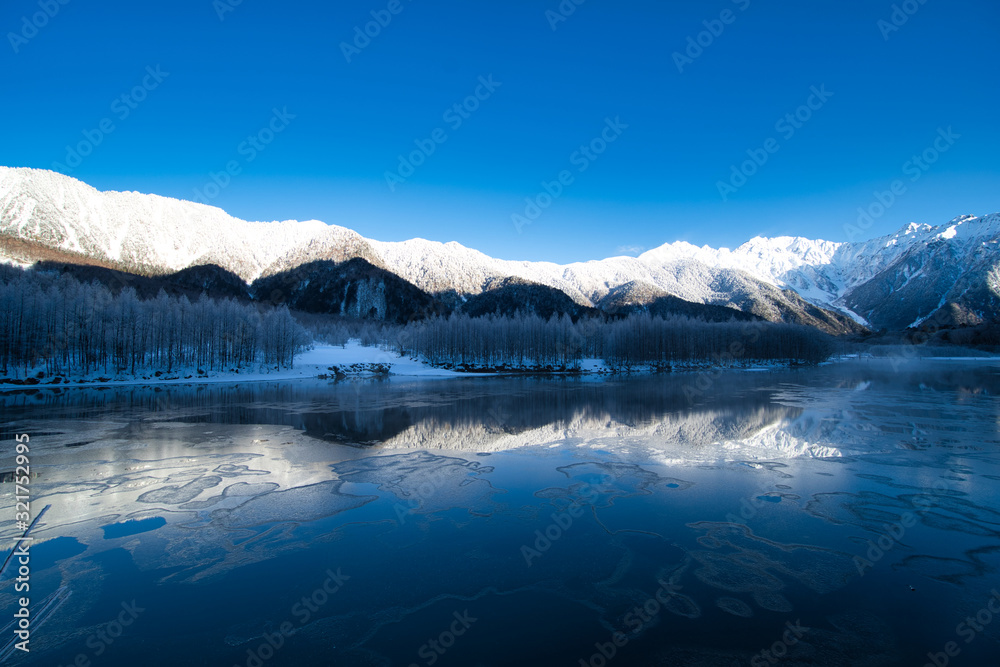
515,295
671,306
193,282
354,288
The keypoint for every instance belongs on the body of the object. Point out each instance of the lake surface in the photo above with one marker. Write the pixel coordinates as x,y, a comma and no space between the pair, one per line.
841,515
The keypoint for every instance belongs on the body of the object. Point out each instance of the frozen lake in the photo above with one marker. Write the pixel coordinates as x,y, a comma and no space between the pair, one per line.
841,515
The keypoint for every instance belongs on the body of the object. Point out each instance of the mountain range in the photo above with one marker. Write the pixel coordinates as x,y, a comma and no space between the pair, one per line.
950,271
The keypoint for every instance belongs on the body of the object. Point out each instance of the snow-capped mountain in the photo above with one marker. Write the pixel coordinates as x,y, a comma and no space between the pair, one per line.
891,281
153,234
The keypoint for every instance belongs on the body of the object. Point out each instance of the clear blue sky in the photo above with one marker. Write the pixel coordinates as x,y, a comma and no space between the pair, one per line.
657,182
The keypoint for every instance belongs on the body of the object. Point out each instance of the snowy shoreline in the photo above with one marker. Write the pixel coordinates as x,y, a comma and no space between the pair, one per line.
352,360
357,361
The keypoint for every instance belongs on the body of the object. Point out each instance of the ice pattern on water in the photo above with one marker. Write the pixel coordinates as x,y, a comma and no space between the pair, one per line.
734,606
426,482
600,483
296,505
176,495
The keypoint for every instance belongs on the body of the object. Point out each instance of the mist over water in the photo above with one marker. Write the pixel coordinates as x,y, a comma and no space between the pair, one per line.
845,514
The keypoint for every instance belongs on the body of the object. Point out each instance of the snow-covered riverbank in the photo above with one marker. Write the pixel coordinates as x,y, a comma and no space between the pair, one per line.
356,360
353,360
328,361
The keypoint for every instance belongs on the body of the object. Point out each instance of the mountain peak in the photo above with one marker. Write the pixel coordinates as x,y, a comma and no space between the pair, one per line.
42,213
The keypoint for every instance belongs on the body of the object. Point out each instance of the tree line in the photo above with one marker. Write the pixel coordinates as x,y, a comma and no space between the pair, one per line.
58,324
61,325
639,340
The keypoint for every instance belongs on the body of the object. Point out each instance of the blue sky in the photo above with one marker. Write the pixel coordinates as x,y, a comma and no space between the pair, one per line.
557,85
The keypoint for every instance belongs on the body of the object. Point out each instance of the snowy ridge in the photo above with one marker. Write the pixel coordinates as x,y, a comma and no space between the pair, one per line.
824,272
434,267
147,232
704,436
153,234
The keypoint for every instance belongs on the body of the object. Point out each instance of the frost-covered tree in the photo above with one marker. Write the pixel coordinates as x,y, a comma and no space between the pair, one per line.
56,324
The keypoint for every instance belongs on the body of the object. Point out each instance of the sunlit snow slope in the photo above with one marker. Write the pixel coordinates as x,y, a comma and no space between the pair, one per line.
893,281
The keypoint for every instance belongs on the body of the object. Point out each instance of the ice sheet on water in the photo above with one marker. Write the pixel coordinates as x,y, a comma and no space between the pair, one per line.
956,505
232,470
948,570
954,524
772,601
176,495
237,490
929,495
745,563
859,639
856,509
726,573
682,605
246,489
734,606
874,511
600,483
300,504
426,482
